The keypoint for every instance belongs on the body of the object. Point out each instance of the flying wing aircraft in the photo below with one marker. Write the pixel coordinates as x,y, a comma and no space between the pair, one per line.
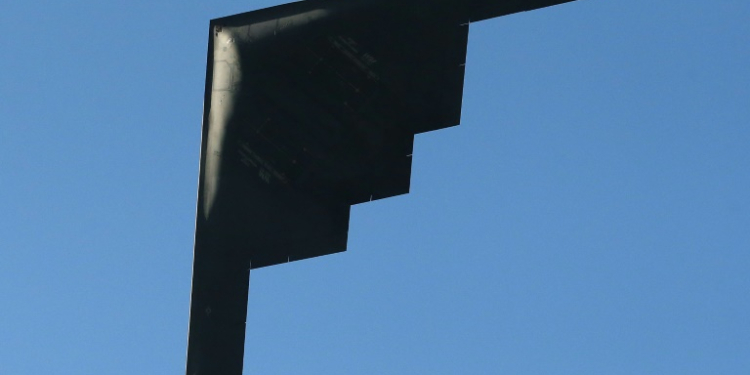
309,108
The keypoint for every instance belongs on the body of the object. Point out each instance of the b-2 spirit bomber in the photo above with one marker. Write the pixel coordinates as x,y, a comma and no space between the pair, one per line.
311,107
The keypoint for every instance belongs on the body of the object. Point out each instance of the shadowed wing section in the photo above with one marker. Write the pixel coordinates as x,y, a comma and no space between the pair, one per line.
333,95
309,108
218,308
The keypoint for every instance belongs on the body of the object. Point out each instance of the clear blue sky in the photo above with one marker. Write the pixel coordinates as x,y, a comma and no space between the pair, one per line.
590,215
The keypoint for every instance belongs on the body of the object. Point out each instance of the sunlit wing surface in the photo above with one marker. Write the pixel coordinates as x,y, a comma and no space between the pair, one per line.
311,107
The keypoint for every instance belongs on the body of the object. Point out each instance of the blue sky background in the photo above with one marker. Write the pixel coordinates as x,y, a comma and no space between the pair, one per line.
590,215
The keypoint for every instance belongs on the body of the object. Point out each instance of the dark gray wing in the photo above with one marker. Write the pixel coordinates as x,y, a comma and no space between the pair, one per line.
309,108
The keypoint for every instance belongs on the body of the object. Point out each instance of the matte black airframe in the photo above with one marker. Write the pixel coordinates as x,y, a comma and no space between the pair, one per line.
309,108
